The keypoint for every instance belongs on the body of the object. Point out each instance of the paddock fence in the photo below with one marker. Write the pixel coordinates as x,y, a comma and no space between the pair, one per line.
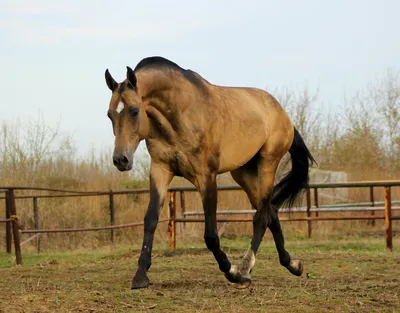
378,210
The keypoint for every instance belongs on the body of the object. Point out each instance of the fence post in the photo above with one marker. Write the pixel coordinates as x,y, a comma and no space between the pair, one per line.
371,196
15,226
172,230
112,215
388,220
8,224
316,200
183,207
308,198
36,222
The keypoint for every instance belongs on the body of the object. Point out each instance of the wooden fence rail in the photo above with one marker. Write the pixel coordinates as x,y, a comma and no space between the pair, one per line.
13,230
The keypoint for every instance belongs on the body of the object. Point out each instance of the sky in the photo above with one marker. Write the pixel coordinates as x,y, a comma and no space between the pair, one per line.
54,53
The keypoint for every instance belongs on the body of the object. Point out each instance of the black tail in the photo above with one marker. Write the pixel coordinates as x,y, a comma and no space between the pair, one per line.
293,184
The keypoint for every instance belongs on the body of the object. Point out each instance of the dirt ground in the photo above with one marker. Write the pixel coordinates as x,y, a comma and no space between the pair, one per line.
339,276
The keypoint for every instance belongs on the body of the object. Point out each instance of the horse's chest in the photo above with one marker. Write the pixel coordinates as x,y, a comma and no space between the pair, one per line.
178,161
183,164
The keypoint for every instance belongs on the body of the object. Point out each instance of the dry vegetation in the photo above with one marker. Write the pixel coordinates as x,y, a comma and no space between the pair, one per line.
362,138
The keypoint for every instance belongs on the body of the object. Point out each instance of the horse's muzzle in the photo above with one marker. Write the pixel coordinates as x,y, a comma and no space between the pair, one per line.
122,163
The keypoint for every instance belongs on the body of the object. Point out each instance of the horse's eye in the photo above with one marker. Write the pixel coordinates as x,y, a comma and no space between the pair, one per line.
133,111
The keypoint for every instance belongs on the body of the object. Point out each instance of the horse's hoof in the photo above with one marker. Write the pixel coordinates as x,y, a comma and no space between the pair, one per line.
240,281
234,275
141,281
295,267
244,283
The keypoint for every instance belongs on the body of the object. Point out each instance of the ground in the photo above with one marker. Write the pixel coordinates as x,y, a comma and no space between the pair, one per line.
353,275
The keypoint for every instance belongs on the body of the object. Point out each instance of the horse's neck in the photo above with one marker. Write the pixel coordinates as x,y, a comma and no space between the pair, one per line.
153,83
165,92
162,114
165,98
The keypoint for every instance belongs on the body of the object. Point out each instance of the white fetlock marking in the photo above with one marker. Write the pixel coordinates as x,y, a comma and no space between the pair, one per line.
248,262
295,264
120,107
234,270
252,258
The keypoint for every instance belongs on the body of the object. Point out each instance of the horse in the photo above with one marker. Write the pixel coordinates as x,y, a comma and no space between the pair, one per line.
197,130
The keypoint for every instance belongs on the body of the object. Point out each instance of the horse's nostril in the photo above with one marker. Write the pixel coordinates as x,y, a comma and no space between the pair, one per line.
115,161
124,160
120,161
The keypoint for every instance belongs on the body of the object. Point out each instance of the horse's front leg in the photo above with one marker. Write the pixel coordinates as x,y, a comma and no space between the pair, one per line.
160,177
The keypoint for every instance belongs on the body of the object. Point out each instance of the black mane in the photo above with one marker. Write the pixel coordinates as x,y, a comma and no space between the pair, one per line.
157,62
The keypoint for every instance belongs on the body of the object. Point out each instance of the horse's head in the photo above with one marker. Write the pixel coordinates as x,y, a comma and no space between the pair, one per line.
128,117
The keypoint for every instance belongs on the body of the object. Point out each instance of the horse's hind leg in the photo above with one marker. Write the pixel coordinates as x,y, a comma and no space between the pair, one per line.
294,266
247,177
257,180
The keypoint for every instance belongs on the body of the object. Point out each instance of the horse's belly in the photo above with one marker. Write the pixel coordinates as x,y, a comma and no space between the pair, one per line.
236,153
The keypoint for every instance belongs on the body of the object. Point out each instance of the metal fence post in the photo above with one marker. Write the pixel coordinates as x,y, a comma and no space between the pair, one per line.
36,222
8,224
172,229
308,198
183,207
15,226
112,215
371,196
316,200
388,220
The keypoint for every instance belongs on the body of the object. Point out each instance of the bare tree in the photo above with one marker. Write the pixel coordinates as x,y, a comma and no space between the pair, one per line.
385,96
304,111
25,148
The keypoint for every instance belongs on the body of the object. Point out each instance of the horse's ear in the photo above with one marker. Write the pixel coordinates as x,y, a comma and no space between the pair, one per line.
130,75
111,83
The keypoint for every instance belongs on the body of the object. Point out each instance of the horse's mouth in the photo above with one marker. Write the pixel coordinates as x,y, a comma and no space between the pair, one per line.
124,168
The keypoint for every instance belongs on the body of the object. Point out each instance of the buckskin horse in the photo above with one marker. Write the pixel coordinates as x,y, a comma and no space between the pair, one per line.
197,130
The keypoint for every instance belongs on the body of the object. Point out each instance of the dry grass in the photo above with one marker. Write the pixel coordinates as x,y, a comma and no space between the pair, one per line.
340,276
94,211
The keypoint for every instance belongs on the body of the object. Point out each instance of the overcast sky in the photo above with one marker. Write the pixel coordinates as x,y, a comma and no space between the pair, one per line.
54,53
